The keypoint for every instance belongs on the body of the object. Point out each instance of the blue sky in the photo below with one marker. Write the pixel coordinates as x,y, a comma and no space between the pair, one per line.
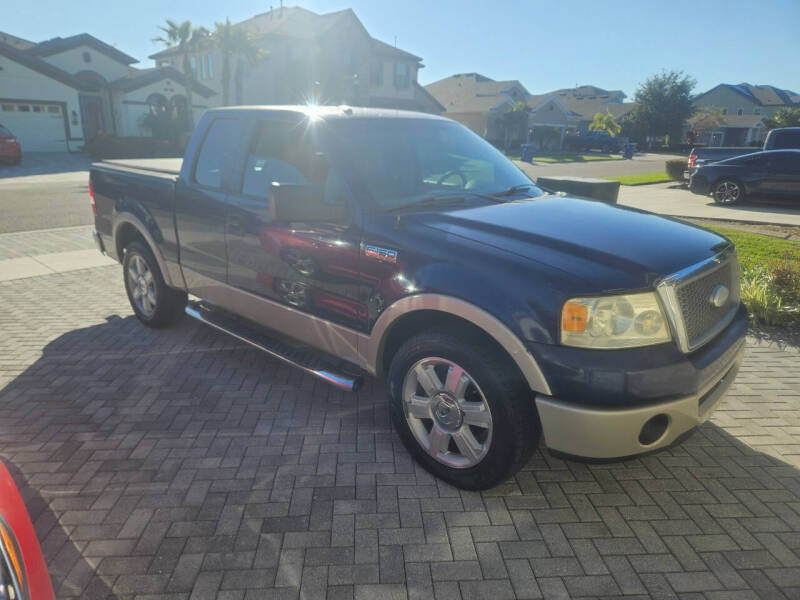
546,44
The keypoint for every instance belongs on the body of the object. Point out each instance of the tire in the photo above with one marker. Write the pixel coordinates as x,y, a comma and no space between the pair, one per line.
472,431
154,303
728,191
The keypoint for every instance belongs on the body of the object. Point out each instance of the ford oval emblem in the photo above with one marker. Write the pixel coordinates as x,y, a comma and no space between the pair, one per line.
719,296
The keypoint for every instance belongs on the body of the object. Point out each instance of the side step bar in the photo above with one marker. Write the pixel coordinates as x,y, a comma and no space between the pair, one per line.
303,359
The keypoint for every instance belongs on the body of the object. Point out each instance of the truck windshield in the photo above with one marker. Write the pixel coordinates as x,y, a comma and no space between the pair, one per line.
400,162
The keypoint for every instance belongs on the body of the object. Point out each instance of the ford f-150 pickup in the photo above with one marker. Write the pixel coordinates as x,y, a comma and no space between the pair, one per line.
353,241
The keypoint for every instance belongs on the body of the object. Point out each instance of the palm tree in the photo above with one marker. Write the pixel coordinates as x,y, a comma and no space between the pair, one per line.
605,122
188,40
234,43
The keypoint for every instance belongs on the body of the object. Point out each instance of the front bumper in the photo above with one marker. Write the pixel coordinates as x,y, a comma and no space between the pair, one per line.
615,433
602,399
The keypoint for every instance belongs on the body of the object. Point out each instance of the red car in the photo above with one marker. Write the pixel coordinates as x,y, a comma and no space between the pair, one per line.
10,150
23,572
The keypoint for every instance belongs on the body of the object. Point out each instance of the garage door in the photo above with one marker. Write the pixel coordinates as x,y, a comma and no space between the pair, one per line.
39,127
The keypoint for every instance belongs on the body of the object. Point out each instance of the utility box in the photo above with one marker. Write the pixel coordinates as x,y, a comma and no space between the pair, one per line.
596,189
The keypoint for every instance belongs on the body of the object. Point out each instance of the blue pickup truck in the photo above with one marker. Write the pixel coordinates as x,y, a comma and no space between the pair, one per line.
354,242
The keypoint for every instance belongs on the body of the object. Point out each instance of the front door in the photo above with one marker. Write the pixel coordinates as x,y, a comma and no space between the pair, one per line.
92,116
200,208
304,254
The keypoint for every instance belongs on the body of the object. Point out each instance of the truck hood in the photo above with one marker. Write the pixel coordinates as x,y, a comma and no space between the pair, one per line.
609,247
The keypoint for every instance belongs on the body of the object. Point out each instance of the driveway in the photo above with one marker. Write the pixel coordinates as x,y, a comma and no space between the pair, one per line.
180,464
48,190
668,199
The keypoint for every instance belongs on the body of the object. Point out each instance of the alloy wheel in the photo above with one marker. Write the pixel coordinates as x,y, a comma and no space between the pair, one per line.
142,285
727,192
447,412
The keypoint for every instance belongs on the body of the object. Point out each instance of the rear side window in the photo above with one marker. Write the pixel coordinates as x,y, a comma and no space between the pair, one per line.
786,140
208,170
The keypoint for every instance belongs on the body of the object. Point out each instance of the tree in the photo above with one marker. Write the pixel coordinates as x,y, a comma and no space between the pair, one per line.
234,44
515,123
189,40
605,122
663,105
785,117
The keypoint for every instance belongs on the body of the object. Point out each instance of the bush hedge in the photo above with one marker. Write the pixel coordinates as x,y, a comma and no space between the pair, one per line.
108,146
675,168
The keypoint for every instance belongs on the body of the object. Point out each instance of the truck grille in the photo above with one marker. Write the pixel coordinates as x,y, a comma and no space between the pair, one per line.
688,299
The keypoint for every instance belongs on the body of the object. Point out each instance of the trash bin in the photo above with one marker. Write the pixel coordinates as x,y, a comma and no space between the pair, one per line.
628,150
527,152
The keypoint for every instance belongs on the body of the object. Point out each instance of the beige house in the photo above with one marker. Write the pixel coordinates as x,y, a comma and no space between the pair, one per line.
309,57
738,112
480,102
56,95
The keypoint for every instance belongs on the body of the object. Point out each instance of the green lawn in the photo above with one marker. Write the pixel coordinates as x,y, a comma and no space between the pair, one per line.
641,178
757,247
567,157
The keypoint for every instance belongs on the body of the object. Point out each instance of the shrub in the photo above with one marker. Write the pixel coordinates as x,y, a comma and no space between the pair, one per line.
108,146
675,168
770,292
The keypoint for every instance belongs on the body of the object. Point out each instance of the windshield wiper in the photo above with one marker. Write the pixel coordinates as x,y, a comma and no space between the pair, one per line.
431,200
514,189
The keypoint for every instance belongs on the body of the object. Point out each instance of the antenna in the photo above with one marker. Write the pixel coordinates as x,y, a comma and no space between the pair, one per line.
281,13
395,41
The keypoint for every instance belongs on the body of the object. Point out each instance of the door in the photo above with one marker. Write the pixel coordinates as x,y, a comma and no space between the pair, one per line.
200,209
783,178
298,245
39,127
92,116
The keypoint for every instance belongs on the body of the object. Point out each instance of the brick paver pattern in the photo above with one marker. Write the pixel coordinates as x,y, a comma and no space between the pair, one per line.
179,464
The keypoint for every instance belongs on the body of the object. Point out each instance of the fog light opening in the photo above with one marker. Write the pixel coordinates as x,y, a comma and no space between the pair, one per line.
653,430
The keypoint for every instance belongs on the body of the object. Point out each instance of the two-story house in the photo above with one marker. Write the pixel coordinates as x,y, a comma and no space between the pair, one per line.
732,115
57,94
309,57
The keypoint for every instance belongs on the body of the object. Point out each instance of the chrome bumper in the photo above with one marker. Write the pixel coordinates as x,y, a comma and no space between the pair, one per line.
580,430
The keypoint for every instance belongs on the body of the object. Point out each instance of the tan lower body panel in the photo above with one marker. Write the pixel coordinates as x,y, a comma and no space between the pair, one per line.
614,433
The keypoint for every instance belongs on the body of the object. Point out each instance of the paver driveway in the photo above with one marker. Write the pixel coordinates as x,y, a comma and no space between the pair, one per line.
179,464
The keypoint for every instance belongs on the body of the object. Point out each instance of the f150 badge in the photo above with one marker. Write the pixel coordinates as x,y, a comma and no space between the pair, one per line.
382,254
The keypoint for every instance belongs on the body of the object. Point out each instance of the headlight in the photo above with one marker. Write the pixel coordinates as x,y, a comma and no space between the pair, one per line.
12,576
614,322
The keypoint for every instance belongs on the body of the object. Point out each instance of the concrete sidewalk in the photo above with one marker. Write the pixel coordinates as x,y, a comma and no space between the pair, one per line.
42,252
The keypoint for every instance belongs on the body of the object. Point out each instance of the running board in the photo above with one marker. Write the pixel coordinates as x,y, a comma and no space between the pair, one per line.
301,358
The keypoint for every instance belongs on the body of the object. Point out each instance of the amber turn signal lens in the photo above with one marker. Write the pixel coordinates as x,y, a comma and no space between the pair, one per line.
573,317
12,552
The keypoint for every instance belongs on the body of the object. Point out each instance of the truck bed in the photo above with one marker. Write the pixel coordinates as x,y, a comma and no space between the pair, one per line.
162,166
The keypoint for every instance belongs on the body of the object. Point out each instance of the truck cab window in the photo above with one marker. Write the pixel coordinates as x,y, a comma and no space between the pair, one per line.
208,170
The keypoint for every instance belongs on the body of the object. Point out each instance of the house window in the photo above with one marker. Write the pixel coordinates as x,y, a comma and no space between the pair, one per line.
23,108
87,58
756,111
206,67
8,107
56,110
37,108
740,112
193,65
376,74
402,75
157,103
724,111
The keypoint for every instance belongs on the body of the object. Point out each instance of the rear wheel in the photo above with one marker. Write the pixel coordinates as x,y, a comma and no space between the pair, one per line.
463,412
154,303
728,191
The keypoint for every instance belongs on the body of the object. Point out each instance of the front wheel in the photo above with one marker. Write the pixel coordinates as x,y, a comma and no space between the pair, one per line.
154,303
462,410
728,191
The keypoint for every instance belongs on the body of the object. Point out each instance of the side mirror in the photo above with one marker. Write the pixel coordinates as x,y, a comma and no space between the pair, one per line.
304,204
